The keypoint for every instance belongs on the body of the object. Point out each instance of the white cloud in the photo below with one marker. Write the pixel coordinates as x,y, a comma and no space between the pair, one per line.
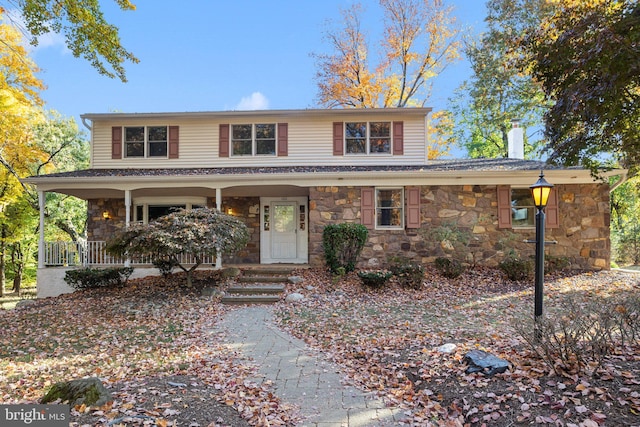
255,101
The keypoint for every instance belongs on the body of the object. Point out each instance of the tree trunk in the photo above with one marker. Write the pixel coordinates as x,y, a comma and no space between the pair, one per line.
3,246
17,259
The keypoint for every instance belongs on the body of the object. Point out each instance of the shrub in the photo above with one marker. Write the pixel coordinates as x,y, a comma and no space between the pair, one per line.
585,333
87,278
374,278
449,268
165,266
555,263
410,274
342,244
517,268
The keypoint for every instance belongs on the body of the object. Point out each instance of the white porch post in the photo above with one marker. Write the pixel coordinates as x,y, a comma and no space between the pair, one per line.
41,204
127,218
219,208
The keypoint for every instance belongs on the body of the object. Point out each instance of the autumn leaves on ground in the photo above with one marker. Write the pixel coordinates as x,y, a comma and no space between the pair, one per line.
154,345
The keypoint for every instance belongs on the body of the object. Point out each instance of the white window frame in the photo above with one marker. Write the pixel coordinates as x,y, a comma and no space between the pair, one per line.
367,139
254,140
378,209
146,143
145,202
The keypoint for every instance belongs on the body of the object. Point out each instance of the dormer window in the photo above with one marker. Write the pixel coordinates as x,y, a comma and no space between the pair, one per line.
145,141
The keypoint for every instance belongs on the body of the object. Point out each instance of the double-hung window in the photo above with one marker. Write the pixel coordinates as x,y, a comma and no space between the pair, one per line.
145,141
368,137
522,208
253,140
389,208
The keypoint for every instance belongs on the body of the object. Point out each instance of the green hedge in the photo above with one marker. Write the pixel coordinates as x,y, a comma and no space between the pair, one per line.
342,245
87,278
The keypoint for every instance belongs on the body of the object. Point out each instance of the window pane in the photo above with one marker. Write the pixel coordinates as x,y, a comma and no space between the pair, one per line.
241,148
356,130
135,149
241,131
157,133
381,129
267,146
265,131
135,134
380,139
389,210
158,149
156,212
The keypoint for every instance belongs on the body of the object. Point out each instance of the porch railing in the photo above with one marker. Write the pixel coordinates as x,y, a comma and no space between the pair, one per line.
93,253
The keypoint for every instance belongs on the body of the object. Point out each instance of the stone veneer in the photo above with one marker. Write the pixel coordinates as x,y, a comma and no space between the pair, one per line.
583,236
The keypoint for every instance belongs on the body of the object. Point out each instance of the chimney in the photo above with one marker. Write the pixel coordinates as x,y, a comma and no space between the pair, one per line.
516,140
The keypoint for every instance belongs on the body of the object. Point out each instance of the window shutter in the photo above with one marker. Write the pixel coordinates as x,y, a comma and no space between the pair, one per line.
174,140
413,208
283,139
398,138
223,143
338,139
552,214
368,207
116,142
504,206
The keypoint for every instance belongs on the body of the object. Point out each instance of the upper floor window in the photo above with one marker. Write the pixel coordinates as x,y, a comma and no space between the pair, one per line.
367,137
253,140
145,141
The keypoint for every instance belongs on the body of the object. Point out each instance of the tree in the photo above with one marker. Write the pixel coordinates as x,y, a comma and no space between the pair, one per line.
625,217
87,32
587,59
196,232
498,91
420,40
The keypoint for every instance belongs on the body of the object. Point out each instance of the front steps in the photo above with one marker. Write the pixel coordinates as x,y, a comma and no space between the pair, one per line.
258,285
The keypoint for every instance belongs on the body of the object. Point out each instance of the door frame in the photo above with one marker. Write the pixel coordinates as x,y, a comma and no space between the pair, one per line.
302,230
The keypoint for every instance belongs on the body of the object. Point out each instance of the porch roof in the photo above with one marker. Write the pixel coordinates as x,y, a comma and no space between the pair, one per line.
87,183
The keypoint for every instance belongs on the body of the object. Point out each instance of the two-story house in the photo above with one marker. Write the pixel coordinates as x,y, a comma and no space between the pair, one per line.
289,173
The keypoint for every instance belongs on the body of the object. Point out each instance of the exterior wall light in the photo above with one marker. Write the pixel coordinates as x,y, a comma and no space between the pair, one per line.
106,215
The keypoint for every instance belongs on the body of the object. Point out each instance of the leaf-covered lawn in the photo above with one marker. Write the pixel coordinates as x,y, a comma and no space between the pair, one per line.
137,340
388,341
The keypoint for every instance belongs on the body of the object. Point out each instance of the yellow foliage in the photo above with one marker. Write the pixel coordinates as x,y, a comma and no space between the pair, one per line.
440,131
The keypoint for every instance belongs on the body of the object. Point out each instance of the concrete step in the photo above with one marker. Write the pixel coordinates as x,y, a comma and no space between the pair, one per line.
262,279
256,290
249,299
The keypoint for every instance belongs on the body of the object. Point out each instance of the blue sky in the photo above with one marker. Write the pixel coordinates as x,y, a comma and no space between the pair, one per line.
202,55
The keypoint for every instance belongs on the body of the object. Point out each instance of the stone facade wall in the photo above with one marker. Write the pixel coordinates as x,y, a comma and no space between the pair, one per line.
582,238
247,209
99,228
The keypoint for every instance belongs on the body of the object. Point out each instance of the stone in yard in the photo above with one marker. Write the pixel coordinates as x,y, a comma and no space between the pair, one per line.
295,279
293,297
88,391
211,292
488,364
447,348
25,303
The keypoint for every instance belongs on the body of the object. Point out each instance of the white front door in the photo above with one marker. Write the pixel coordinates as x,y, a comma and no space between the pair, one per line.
283,236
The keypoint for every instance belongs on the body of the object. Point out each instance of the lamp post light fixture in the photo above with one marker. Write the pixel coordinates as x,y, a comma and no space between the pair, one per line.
540,192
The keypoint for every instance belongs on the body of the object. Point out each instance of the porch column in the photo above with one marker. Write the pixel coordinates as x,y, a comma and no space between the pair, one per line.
41,247
127,217
219,208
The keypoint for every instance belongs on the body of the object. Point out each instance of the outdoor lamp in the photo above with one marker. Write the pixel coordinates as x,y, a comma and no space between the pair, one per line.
106,215
540,192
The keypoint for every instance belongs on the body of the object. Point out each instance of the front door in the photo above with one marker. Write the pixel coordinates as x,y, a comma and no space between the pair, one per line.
283,236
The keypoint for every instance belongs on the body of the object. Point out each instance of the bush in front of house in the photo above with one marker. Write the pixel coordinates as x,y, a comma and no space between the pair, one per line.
517,268
449,268
410,274
87,278
374,278
342,244
165,265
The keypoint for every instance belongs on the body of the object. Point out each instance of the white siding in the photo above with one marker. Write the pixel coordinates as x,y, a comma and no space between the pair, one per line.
310,142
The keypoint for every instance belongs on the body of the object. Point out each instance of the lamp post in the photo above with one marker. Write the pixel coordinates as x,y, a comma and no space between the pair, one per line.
540,192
